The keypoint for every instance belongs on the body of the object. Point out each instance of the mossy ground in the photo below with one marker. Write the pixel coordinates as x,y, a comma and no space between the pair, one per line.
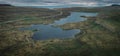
99,37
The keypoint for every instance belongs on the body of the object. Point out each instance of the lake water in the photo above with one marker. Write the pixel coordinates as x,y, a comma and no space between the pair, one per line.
50,32
74,17
45,32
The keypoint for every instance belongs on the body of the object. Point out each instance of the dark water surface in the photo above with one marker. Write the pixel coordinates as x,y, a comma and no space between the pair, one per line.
45,32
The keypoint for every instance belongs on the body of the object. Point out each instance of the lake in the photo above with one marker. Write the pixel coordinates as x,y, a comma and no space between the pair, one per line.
45,32
74,17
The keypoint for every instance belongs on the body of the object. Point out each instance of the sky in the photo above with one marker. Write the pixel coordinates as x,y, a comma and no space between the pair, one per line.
58,2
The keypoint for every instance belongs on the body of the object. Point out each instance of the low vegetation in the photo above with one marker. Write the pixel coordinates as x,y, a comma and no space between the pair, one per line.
99,35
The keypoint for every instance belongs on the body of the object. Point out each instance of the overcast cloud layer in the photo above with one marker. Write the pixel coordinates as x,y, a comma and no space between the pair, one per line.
56,2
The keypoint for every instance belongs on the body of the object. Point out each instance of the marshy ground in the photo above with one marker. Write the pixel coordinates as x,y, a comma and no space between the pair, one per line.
99,36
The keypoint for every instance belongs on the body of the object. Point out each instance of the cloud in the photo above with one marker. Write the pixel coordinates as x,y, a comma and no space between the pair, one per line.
3,2
56,2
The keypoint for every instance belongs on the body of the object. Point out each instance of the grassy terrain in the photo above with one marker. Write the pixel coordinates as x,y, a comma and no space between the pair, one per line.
12,17
90,9
99,35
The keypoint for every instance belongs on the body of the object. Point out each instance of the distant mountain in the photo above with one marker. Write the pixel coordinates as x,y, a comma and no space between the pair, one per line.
115,5
5,5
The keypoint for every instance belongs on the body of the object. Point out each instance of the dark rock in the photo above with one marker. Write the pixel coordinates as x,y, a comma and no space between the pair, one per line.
83,16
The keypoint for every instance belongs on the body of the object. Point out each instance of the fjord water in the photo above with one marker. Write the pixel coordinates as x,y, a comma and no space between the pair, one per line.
45,32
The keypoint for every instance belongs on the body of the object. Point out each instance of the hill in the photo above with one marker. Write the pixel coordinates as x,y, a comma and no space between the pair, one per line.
115,5
5,5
